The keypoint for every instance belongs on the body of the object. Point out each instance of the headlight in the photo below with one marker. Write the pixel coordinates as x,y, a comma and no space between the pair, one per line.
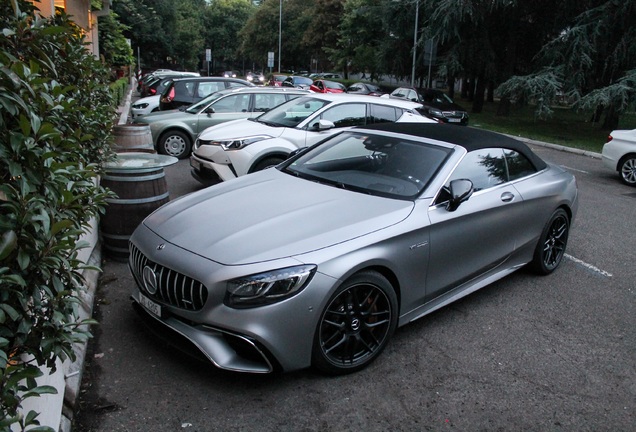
436,112
269,287
140,106
238,143
250,77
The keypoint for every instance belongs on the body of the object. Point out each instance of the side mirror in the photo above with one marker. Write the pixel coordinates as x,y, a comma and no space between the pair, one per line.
325,124
460,191
209,110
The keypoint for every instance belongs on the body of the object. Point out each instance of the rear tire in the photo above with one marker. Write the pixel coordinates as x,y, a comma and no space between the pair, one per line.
627,170
552,243
175,143
356,324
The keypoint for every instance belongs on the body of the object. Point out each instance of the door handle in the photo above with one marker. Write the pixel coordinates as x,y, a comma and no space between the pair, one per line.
507,197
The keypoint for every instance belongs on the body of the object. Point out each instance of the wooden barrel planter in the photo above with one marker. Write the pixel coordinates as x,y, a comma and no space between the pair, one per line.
139,181
133,138
139,193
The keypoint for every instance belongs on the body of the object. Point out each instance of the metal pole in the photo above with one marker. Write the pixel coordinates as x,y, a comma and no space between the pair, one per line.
280,31
417,11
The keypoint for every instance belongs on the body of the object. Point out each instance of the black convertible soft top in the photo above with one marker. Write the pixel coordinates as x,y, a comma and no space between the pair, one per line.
464,136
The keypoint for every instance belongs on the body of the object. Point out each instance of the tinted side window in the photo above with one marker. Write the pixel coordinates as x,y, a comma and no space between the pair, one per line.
485,168
233,103
382,114
346,115
518,165
265,102
209,88
184,88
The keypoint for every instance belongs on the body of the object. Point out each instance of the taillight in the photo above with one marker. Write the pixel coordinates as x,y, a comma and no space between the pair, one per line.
609,138
153,91
170,96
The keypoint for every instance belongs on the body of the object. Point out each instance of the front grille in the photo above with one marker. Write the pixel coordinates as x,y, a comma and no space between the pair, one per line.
173,288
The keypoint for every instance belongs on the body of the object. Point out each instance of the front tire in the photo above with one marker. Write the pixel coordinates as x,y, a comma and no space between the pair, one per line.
175,143
551,247
356,325
266,163
627,170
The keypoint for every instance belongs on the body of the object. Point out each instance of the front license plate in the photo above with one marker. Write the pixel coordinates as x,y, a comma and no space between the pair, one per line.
452,120
195,164
149,305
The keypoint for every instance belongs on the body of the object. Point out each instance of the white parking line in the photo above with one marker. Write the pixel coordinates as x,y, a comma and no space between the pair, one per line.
588,266
574,169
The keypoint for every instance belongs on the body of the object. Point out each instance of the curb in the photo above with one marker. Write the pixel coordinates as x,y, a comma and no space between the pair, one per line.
557,147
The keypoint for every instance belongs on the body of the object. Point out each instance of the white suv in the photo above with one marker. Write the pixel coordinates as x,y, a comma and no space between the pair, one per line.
240,147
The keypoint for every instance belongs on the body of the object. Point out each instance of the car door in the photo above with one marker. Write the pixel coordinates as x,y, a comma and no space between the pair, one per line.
479,235
230,107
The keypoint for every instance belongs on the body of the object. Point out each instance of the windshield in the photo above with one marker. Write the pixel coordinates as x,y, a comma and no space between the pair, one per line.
371,163
203,103
292,113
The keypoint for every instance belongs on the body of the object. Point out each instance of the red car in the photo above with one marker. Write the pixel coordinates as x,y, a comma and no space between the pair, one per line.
276,80
324,86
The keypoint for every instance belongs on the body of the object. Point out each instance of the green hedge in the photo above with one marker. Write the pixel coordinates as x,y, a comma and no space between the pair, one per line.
56,117
118,90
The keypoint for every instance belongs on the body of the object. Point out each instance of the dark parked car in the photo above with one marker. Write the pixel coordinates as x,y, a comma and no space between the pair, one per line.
365,89
437,104
297,81
186,91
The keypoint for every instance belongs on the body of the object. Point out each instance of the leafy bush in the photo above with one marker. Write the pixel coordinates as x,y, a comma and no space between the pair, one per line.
118,90
56,114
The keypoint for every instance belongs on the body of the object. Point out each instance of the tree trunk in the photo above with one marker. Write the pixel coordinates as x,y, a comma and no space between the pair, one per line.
596,115
611,119
491,91
503,109
450,82
480,91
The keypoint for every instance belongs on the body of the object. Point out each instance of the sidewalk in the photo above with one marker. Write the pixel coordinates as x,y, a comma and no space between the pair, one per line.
56,411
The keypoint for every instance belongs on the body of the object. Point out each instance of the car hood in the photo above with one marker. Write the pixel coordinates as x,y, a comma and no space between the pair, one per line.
270,215
240,128
154,99
445,106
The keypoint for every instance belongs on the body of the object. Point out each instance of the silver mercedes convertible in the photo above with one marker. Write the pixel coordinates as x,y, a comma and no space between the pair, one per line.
316,261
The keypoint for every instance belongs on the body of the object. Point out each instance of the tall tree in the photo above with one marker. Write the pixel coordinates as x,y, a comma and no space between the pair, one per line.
223,20
592,60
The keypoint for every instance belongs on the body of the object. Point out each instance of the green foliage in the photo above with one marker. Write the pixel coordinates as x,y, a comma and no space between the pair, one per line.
56,119
112,43
118,90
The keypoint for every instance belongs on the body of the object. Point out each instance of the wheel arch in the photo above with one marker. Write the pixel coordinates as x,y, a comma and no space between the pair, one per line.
275,154
387,273
175,128
623,158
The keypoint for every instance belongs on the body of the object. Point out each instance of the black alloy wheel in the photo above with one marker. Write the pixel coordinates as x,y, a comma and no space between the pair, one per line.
627,170
551,247
356,324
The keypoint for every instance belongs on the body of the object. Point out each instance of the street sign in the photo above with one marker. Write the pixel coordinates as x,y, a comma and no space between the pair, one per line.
270,59
208,54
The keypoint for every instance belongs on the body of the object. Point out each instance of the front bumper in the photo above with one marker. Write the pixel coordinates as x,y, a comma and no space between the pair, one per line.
256,340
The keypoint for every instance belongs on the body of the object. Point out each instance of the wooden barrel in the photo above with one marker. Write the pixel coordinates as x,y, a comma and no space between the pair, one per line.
139,193
133,138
